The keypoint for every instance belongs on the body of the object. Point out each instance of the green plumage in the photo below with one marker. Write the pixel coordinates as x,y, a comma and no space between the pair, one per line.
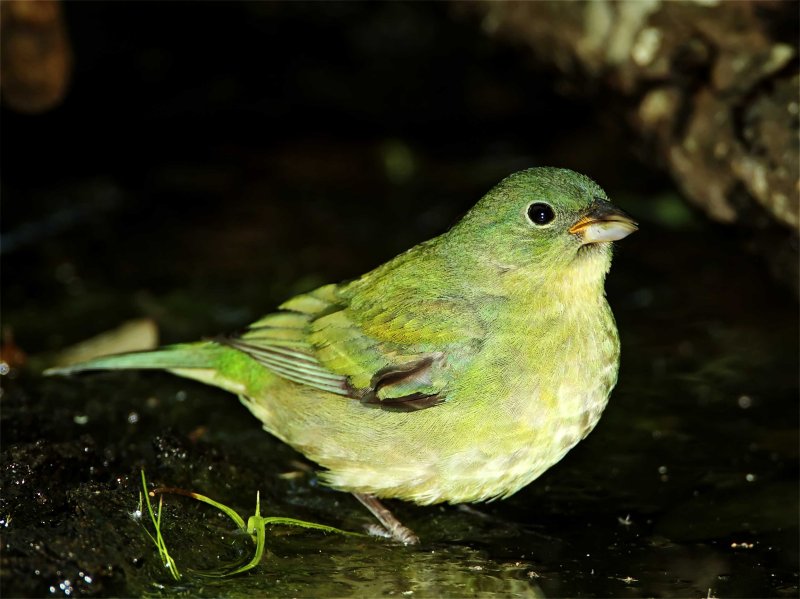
458,371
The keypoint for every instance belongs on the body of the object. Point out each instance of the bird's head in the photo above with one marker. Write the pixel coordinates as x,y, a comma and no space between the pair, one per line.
541,221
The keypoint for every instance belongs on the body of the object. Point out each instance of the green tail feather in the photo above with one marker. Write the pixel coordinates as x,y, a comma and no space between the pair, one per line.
191,355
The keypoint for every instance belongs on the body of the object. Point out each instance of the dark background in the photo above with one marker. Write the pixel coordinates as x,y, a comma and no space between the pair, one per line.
201,119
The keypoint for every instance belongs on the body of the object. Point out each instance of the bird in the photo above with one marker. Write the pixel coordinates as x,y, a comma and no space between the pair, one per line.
457,372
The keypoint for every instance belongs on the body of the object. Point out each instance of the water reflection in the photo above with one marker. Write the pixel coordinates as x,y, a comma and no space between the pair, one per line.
329,567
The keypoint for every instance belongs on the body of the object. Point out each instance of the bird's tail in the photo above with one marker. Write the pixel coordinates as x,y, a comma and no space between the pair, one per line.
188,355
204,361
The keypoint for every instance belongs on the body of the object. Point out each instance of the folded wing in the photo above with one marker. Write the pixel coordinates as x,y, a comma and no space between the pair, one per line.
382,357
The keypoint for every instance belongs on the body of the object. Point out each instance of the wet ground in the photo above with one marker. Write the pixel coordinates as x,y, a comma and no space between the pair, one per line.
234,175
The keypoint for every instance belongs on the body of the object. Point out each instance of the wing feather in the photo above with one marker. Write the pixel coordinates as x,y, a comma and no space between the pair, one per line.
386,358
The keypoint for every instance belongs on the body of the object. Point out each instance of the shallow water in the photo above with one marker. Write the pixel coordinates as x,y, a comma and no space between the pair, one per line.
687,488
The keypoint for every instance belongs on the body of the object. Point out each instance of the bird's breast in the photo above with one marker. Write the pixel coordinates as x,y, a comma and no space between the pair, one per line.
545,381
568,361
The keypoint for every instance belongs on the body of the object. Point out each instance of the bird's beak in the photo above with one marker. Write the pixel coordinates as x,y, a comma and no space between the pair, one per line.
603,222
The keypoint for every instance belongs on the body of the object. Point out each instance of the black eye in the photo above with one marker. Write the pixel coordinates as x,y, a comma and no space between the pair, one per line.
540,214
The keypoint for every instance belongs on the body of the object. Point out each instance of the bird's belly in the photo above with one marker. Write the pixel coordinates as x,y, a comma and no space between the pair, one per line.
533,408
492,436
472,455
509,451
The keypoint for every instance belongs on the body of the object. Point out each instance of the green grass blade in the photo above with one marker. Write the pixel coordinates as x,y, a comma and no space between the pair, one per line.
256,528
304,524
223,508
160,544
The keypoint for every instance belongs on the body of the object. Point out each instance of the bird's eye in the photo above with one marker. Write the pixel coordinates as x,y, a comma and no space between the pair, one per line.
540,214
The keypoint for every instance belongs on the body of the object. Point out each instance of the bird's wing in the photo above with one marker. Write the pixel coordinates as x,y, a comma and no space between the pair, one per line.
379,356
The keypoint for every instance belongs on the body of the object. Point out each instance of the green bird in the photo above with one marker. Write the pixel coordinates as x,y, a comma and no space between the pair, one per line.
458,371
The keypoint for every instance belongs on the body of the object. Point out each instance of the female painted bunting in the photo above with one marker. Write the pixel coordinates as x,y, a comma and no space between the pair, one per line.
458,371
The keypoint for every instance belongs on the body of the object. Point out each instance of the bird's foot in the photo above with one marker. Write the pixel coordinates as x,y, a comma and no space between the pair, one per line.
390,526
376,530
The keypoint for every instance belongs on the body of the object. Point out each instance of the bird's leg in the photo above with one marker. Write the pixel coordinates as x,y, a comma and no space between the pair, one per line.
396,530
